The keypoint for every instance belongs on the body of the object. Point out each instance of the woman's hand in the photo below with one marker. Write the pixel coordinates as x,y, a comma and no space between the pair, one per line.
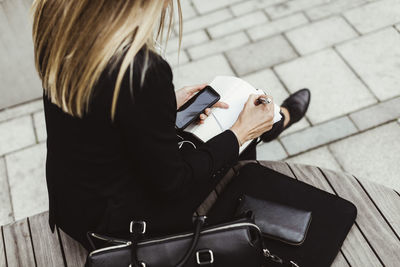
254,119
187,92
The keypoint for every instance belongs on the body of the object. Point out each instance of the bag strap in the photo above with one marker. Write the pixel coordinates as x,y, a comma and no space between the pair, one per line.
138,229
272,257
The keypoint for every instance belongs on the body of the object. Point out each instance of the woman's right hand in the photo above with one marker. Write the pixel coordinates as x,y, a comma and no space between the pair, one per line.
254,119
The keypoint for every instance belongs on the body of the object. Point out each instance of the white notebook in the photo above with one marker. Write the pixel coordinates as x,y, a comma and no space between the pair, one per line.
235,92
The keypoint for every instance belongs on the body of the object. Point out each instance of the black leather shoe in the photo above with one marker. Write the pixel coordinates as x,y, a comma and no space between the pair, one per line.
297,105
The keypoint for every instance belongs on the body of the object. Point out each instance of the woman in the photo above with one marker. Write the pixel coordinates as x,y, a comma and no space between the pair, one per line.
110,111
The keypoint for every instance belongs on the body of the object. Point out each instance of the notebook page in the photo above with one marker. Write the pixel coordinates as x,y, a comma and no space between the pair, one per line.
205,131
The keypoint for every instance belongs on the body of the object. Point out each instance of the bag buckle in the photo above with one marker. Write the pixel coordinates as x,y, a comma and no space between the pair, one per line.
142,264
204,257
271,256
137,227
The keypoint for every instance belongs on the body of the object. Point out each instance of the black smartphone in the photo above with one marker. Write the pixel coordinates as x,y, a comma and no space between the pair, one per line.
192,109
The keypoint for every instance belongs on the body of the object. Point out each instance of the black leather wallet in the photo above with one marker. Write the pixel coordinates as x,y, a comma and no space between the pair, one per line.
277,221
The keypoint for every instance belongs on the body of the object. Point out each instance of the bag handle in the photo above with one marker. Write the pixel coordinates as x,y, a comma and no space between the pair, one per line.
138,229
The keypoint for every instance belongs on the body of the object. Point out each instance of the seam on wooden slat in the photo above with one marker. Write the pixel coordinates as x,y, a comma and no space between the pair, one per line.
355,222
345,258
290,168
377,207
4,245
30,238
61,247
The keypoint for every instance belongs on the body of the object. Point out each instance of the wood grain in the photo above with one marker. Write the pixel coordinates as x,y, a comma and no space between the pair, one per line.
17,240
371,223
278,166
355,248
340,261
46,244
75,254
3,261
387,200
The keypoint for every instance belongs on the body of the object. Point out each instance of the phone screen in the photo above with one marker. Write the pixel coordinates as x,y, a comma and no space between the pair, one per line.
195,106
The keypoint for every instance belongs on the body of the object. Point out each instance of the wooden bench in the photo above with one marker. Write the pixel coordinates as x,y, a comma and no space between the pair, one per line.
373,241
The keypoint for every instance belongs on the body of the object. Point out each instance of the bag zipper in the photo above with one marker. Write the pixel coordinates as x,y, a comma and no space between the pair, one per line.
128,243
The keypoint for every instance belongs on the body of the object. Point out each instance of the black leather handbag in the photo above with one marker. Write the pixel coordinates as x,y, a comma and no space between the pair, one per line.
237,243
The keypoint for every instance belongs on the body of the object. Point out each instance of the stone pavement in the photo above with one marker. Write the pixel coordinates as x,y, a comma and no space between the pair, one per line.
347,52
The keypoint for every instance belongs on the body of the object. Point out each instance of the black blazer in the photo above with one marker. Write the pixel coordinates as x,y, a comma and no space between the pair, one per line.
101,173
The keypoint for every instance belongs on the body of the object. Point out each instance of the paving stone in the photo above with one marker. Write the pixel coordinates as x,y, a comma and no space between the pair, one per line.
16,134
260,55
277,26
290,7
237,24
253,5
335,89
270,151
26,174
374,15
218,45
377,114
331,8
205,21
6,214
187,10
175,60
188,40
21,110
318,135
204,6
398,27
373,155
320,157
375,58
201,71
40,126
320,35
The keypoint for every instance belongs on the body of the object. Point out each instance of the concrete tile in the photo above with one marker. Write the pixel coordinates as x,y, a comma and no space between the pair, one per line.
377,114
40,126
320,157
188,11
16,134
175,59
188,40
331,8
201,71
320,35
318,135
398,27
26,174
260,55
204,6
375,58
331,95
270,151
277,26
21,110
250,6
373,155
6,214
201,22
374,16
218,45
237,24
290,7
300,125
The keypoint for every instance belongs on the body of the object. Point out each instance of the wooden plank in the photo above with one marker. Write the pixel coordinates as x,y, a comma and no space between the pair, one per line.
340,261
46,244
3,261
18,246
75,254
355,247
278,166
387,200
372,224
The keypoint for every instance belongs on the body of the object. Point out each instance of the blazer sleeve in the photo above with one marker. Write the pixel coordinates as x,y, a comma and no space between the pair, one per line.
147,120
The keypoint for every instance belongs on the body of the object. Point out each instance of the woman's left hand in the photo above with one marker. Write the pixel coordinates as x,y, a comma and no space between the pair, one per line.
187,92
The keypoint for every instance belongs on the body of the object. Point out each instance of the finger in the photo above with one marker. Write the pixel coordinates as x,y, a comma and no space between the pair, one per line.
203,116
196,88
221,104
207,111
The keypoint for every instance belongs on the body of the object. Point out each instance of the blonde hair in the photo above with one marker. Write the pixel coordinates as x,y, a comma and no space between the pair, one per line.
75,40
